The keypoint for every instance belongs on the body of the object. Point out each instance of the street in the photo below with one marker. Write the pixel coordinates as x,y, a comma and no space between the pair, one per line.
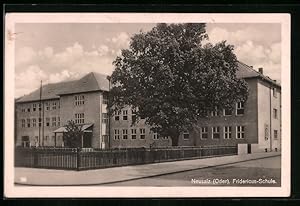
261,172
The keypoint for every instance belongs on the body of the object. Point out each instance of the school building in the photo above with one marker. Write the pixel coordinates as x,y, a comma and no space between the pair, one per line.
41,116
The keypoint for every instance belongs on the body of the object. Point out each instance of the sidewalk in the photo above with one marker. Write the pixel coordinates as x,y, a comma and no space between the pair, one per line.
50,177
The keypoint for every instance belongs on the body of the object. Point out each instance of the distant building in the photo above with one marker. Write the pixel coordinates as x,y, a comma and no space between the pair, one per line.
256,122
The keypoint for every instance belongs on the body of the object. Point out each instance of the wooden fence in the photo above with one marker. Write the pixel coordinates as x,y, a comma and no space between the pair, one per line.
83,159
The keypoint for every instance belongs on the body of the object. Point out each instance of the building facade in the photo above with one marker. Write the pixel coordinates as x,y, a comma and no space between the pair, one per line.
42,115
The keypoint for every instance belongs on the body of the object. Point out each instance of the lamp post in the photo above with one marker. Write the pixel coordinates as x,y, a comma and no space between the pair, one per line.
109,115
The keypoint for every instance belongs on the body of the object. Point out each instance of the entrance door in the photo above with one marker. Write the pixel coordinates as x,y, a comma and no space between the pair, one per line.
249,148
87,140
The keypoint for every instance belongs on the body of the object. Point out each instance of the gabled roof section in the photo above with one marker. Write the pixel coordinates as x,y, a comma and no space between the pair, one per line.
91,82
102,81
244,71
49,91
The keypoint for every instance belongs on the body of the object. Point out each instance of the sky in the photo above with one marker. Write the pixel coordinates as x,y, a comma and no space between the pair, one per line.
54,52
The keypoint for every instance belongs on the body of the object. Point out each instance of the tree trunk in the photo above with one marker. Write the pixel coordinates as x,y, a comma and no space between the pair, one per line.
174,133
175,140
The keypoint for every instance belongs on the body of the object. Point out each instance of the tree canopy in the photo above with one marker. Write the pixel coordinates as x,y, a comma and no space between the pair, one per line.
173,79
72,137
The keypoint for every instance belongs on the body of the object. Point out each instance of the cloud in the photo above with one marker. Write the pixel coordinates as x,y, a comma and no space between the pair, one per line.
252,47
103,50
275,53
68,64
64,75
29,80
46,52
25,55
122,40
261,56
254,34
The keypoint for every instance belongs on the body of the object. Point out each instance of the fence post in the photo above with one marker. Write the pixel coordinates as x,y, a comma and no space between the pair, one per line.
78,158
35,157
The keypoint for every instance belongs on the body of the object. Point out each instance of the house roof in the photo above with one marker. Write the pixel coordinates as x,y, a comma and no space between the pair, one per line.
94,81
244,71
91,82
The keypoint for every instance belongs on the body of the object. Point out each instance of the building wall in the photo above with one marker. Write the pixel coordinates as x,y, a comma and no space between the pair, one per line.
266,121
90,109
248,120
25,111
255,118
133,143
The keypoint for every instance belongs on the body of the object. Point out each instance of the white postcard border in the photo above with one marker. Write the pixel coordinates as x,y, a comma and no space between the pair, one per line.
104,191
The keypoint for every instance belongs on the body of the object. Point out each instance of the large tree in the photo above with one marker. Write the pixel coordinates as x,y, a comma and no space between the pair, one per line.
173,79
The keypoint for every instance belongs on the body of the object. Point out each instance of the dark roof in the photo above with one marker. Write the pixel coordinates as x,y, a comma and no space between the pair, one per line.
244,71
98,82
90,82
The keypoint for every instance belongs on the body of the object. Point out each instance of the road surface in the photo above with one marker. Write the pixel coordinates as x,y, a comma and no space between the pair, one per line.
261,172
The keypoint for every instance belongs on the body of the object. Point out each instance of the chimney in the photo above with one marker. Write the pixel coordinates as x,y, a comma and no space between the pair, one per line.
261,70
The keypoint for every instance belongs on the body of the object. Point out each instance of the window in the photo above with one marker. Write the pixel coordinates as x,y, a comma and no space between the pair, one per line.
40,122
58,104
79,118
275,134
104,118
227,112
54,105
240,108
23,123
166,137
274,92
58,121
23,109
240,132
133,115
33,122
133,133
155,136
105,99
275,113
117,115
53,121
28,122
47,106
227,132
186,135
204,133
116,134
215,112
28,109
142,133
216,132
125,112
47,122
34,107
79,100
40,107
125,134
25,141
